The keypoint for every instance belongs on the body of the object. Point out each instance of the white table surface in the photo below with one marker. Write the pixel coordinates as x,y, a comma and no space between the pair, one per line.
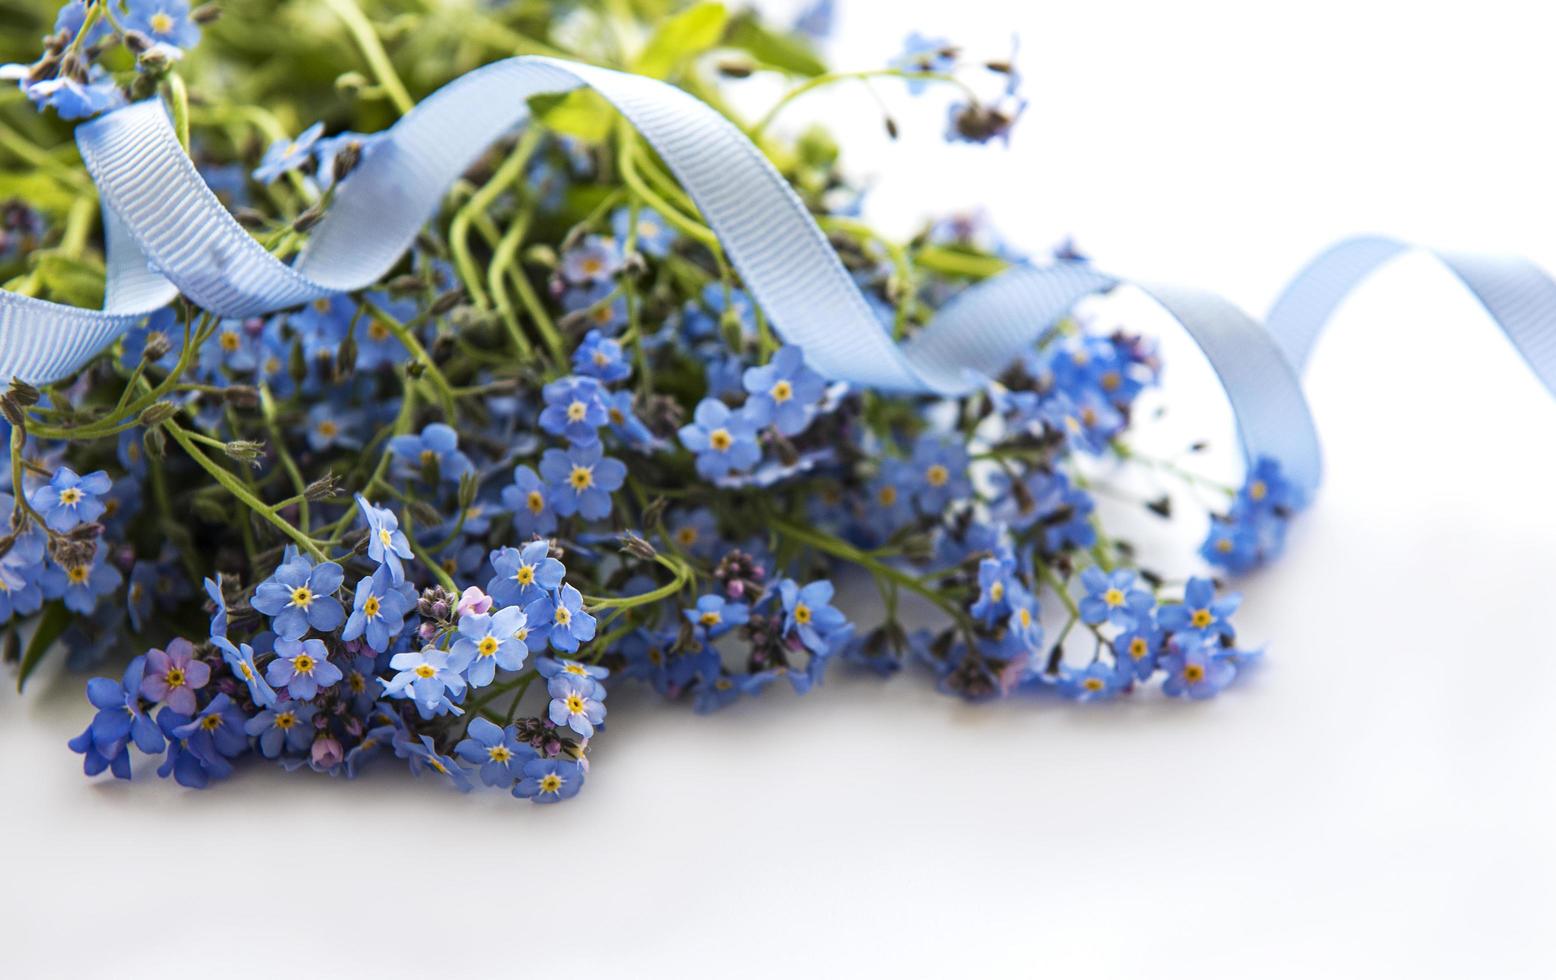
1377,802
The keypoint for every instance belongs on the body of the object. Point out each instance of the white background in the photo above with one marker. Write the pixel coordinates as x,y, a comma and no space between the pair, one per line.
1378,802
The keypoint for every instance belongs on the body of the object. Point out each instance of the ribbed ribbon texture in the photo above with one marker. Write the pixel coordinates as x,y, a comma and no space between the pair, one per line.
168,234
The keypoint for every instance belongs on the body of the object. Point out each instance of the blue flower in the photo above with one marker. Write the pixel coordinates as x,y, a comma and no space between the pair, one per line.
601,306
240,660
582,480
424,754
21,571
216,730
81,585
625,423
723,440
600,357
300,595
302,667
287,725
1200,612
70,97
120,717
163,328
1111,597
67,499
1094,683
592,259
654,236
924,55
433,455
575,409
550,780
1137,649
525,499
95,761
285,155
497,751
1195,668
809,615
488,641
524,575
164,21
378,612
783,391
330,426
939,473
550,667
386,543
995,578
426,676
560,619
575,704
717,616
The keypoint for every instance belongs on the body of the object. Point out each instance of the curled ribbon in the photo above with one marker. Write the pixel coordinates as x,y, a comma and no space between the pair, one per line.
167,233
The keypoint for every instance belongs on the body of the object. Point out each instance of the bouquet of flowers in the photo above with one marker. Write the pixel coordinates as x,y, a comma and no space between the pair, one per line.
559,446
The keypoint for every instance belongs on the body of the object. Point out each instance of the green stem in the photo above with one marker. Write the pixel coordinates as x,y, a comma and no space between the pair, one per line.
372,48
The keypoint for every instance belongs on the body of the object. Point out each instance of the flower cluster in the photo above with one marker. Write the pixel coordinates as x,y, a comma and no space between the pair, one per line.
559,447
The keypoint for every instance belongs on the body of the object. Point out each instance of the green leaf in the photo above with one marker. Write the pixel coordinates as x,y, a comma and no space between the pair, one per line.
581,113
76,282
681,38
780,51
50,625
38,189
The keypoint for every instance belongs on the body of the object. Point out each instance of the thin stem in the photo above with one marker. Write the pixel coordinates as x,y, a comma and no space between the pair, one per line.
372,48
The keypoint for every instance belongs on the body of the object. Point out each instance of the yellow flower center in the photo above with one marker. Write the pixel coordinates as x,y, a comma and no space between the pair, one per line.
211,722
161,23
302,596
1224,545
687,536
710,618
1113,597
378,330
575,704
720,439
562,616
582,478
1257,490
286,720
550,783
174,677
781,392
385,537
1111,381
425,670
1193,673
577,411
70,496
801,613
1092,684
487,647
536,502
303,664
371,607
428,457
78,574
1201,618
320,305
997,591
887,495
327,428
577,670
937,475
1025,615
499,753
248,673
1138,648
230,341
525,575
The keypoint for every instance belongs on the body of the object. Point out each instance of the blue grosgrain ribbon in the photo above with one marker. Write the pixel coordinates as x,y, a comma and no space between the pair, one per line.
167,233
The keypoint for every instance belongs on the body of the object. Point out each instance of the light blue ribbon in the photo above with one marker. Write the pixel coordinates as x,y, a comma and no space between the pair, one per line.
168,234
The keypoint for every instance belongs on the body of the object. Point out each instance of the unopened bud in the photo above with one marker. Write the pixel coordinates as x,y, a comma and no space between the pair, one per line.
446,302
158,413
157,346
245,451
735,68
308,218
346,160
324,488
206,13
12,411
637,547
155,441
241,396
24,393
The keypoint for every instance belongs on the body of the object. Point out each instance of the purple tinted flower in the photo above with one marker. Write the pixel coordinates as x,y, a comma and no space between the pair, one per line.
575,409
173,675
575,703
302,667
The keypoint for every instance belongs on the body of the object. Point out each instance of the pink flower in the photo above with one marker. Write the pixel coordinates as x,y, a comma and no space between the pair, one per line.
327,753
474,601
173,676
